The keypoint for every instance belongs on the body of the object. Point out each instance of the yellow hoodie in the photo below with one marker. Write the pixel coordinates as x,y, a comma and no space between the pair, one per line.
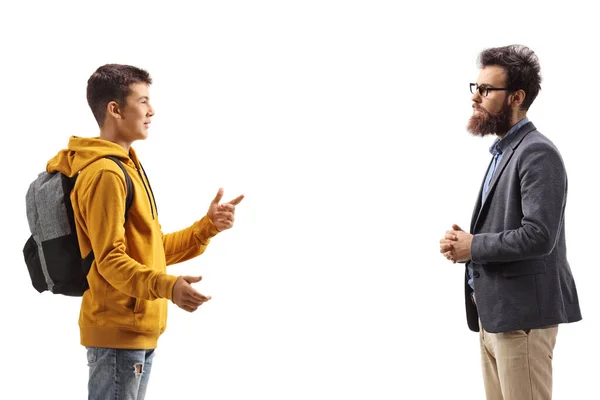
126,304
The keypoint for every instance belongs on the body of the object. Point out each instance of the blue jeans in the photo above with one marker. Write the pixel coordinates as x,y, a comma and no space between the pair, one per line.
118,374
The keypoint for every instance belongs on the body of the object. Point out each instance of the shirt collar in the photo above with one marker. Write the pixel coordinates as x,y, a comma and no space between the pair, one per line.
499,145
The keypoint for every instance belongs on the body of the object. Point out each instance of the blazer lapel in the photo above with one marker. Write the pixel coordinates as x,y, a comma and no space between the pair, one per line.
477,207
506,157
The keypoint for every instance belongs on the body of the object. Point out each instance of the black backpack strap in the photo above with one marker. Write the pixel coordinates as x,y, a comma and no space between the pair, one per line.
86,263
128,182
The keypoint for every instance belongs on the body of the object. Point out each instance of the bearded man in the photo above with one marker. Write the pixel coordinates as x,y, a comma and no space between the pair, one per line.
518,282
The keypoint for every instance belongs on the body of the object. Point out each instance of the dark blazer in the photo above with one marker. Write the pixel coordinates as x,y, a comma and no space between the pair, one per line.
519,257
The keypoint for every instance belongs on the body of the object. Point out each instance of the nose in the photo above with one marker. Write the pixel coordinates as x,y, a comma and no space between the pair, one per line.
476,97
150,110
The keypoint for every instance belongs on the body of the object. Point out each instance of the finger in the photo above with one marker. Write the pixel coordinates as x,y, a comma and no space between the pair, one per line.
218,197
195,303
456,227
224,224
190,293
445,247
204,298
237,200
192,279
450,236
191,303
224,215
226,207
194,295
450,257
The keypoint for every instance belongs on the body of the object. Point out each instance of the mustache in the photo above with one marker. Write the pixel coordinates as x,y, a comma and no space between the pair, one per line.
486,112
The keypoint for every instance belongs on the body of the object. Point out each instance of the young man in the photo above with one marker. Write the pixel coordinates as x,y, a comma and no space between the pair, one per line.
518,283
125,309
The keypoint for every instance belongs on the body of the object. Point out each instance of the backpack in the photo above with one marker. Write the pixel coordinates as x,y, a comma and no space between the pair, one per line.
52,251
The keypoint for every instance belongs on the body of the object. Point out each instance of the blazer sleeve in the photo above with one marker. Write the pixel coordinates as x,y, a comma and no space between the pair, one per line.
543,184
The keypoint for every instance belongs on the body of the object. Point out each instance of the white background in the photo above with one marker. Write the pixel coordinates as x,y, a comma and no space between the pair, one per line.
343,123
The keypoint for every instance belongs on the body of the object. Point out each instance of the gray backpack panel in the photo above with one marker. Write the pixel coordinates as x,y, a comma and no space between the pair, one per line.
52,251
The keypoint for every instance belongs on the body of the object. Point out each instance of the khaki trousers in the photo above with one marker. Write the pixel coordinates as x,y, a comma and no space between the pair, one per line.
517,365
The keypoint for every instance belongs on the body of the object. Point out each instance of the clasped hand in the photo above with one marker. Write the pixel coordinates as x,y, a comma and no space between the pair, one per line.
456,245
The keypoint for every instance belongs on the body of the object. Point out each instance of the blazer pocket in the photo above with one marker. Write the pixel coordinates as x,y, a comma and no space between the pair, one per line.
521,268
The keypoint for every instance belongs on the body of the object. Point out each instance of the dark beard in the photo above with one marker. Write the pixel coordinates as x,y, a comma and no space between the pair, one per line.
488,123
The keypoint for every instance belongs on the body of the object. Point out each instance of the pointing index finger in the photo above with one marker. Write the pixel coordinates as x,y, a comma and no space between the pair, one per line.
237,200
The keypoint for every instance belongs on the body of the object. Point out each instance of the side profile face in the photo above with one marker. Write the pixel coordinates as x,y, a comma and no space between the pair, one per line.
491,76
133,120
492,113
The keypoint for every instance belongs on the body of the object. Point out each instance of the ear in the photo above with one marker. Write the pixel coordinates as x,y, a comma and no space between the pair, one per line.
113,109
518,98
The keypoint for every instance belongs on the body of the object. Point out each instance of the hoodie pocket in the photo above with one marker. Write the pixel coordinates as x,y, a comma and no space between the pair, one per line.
149,315
139,306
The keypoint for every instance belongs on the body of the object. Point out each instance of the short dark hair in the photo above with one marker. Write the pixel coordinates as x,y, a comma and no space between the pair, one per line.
111,82
522,69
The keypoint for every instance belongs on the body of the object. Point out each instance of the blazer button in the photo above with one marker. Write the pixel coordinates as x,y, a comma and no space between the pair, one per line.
476,274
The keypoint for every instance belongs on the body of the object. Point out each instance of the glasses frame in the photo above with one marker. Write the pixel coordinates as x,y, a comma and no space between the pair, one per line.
483,90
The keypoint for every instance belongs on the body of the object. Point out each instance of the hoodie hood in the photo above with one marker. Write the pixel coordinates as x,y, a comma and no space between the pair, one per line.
83,151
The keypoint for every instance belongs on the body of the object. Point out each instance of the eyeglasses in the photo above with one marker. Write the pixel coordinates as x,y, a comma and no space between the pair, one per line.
483,90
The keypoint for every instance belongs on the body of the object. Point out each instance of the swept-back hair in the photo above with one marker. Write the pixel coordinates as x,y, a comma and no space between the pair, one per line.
111,82
522,69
